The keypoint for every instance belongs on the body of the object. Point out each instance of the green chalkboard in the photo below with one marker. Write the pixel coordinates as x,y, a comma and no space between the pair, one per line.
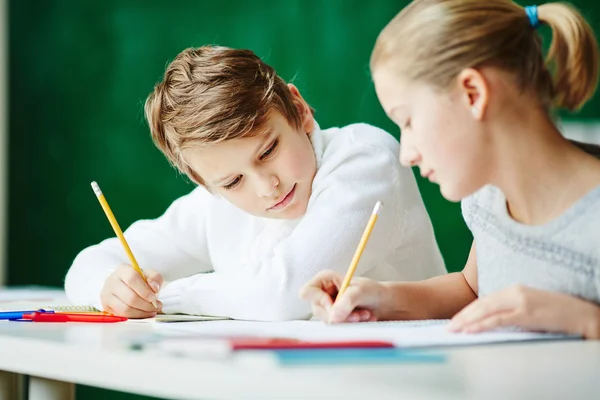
80,71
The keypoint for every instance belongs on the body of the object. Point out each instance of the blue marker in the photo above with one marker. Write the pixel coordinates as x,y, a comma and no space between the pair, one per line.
11,315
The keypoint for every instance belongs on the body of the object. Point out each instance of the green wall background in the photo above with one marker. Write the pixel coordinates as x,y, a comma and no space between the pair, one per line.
79,74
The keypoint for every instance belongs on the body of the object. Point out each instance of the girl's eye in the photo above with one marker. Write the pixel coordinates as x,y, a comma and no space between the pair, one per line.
270,151
233,183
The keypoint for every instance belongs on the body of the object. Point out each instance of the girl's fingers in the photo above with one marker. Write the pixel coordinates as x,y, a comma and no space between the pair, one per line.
480,309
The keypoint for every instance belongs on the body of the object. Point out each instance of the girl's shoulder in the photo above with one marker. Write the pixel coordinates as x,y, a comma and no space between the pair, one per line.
485,200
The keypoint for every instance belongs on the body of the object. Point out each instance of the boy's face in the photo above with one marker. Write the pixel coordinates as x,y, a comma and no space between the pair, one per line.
269,175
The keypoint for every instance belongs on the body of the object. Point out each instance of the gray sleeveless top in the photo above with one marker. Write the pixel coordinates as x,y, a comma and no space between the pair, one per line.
562,255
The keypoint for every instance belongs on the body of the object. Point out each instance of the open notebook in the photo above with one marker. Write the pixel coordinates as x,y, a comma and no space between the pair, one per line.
406,334
53,299
178,318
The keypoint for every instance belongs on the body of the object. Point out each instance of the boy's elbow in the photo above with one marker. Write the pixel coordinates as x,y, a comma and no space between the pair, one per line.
83,282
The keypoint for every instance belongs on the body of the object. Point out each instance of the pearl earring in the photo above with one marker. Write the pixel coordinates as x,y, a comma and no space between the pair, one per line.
475,111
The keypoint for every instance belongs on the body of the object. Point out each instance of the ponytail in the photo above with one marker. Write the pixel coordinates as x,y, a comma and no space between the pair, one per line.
573,55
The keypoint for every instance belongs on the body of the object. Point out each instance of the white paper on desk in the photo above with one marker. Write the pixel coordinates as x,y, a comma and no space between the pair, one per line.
30,298
177,318
29,293
402,334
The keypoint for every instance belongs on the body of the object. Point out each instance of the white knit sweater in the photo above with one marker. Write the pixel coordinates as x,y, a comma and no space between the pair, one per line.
218,260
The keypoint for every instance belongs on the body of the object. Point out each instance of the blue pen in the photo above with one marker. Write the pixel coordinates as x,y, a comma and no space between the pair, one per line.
11,315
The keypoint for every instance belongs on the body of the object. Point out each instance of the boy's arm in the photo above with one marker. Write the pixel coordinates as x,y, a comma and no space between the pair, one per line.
344,193
173,245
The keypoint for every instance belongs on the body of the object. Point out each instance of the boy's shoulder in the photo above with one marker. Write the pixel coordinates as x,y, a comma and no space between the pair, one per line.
359,136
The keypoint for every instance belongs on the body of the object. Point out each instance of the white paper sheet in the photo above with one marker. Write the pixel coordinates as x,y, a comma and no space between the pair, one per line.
402,334
28,293
31,298
177,318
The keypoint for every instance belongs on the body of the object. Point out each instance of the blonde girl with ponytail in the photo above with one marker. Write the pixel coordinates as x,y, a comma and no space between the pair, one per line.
469,86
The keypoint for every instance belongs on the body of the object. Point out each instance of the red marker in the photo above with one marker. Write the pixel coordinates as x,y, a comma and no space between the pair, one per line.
46,317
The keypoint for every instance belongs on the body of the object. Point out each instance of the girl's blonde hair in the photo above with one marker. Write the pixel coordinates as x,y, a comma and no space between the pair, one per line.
433,40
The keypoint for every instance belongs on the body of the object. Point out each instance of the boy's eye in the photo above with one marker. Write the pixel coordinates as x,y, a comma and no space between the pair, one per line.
270,150
233,183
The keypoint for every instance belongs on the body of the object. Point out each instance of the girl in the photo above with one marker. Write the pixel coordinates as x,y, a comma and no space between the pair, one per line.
466,82
278,199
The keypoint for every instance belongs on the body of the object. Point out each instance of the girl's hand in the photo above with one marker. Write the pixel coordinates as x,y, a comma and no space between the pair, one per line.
531,309
125,293
364,300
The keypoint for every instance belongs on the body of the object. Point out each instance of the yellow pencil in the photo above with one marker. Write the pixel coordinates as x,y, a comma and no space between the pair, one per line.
118,232
359,250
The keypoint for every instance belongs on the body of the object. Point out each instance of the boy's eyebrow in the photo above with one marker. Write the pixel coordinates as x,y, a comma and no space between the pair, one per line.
267,136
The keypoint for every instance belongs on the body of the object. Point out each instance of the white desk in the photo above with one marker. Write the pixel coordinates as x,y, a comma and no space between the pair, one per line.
95,355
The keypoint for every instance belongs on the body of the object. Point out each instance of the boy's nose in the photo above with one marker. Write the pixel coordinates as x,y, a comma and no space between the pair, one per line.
268,185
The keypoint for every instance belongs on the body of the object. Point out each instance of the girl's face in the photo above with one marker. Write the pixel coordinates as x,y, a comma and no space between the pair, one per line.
267,175
441,133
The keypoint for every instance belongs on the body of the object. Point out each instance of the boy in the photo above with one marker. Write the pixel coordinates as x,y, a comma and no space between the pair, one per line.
278,200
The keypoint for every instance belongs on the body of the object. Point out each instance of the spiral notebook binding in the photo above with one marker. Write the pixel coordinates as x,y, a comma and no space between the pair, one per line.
72,308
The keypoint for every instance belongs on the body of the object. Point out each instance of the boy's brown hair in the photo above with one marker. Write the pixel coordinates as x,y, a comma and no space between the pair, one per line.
212,94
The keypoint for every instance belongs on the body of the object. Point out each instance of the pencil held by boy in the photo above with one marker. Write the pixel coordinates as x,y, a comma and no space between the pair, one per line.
467,83
278,199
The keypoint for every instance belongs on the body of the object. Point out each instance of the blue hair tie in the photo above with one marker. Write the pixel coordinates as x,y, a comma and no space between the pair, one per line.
532,14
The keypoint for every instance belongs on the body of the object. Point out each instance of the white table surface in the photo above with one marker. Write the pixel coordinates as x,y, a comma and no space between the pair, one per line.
97,355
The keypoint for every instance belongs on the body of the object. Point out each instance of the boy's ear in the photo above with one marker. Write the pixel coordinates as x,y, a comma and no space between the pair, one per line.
306,115
474,91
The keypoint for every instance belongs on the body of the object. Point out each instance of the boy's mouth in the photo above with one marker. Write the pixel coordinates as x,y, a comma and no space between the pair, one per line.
283,201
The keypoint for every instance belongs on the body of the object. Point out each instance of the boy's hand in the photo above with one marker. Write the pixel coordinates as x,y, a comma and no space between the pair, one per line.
363,300
531,309
125,293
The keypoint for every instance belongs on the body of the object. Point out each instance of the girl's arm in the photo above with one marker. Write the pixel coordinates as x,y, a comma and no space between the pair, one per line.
368,300
531,309
440,297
